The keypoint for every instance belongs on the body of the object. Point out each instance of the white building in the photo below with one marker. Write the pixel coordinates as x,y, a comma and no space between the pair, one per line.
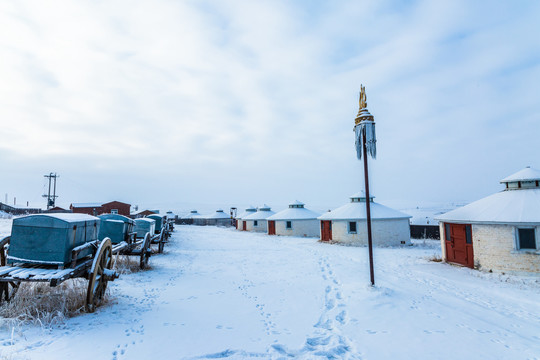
294,221
257,221
499,232
219,218
347,224
240,223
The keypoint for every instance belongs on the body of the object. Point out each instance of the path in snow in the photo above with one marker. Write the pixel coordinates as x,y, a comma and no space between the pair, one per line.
220,293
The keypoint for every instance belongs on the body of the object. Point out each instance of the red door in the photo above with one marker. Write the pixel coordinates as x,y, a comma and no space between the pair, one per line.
244,225
271,227
326,230
458,244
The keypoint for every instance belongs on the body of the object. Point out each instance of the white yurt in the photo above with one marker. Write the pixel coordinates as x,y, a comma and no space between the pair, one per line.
347,224
257,221
240,223
499,232
294,221
219,218
194,218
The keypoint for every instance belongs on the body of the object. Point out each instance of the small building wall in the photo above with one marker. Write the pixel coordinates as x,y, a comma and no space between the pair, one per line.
494,248
387,232
307,228
123,208
261,227
94,211
219,222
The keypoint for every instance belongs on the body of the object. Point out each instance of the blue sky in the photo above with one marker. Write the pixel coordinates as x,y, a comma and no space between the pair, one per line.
181,104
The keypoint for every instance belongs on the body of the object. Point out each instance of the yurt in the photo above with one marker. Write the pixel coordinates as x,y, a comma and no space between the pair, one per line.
240,223
294,221
190,218
499,232
257,221
347,224
219,218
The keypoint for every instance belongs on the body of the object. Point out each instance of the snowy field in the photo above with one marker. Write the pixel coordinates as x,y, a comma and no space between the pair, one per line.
220,293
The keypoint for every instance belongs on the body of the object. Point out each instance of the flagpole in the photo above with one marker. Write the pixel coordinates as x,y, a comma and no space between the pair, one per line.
365,143
368,210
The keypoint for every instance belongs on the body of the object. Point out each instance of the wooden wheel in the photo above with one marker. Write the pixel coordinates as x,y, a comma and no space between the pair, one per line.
161,243
97,282
145,251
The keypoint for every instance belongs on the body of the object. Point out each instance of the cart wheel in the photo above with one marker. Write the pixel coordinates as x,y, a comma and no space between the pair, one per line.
97,283
161,242
8,290
145,251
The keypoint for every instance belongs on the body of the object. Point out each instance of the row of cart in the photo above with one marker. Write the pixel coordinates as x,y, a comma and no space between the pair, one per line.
53,248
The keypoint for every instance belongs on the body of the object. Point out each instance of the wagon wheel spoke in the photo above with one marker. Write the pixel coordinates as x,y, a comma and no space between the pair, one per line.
97,283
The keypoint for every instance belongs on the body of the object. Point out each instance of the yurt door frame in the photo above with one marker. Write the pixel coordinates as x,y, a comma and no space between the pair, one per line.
326,230
271,227
458,244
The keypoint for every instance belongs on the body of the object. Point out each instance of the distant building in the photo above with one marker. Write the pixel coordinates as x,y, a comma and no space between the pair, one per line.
257,221
141,214
219,218
347,224
95,209
240,223
294,221
500,232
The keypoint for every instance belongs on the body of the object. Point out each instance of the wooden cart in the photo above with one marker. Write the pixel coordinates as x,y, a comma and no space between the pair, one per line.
96,268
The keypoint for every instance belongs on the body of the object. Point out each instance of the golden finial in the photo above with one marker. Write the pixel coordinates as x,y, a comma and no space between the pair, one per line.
363,113
363,98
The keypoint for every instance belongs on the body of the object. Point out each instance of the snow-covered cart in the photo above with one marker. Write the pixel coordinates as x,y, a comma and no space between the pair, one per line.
121,230
54,248
147,225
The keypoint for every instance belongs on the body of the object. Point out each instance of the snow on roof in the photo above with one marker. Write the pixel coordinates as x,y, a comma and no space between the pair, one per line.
297,203
298,213
262,213
219,214
145,220
526,174
357,211
86,205
508,207
68,216
250,210
193,214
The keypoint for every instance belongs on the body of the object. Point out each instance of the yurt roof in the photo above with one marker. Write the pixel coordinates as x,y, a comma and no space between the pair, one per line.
295,211
527,174
262,213
249,211
192,214
508,207
356,210
219,214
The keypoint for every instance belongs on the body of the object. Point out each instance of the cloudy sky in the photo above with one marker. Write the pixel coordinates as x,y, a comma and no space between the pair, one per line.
183,104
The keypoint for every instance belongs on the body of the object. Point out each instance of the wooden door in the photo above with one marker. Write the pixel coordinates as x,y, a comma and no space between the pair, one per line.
244,225
458,244
326,230
271,227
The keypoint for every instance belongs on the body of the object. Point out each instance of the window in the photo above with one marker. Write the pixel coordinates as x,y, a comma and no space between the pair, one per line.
255,223
526,239
447,232
288,225
352,227
114,211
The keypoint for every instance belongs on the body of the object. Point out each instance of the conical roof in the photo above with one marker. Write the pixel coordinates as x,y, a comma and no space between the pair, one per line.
296,211
527,174
219,214
356,210
248,211
506,207
262,213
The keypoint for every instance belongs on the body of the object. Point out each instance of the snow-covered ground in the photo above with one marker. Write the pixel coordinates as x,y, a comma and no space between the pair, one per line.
221,293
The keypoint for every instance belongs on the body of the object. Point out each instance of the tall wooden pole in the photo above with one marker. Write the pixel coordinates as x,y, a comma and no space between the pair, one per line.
368,210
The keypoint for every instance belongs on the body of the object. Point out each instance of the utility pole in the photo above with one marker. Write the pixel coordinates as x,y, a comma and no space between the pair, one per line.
51,199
